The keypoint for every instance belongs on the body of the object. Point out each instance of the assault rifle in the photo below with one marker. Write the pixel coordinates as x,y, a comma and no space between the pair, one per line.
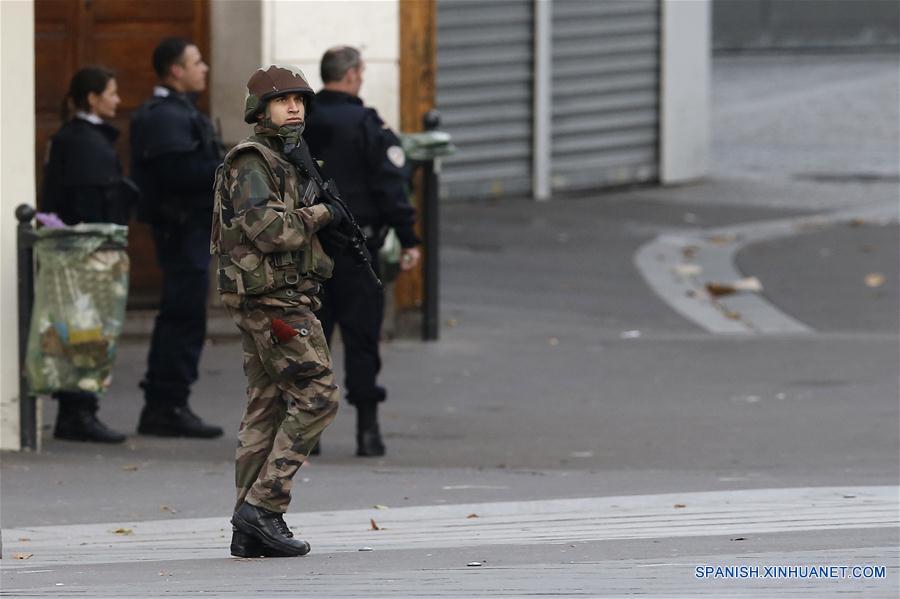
300,157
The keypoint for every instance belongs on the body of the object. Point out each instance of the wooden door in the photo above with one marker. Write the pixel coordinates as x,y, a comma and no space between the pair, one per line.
120,34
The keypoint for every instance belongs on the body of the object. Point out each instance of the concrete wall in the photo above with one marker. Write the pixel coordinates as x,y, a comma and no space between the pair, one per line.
17,176
685,90
236,48
246,34
740,25
299,32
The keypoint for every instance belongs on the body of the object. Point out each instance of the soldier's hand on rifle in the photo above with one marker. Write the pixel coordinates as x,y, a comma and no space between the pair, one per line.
339,216
333,241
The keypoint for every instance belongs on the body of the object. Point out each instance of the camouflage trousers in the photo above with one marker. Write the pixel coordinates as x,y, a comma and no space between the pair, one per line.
292,398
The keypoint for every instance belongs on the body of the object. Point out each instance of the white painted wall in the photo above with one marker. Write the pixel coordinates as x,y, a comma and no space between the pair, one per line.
17,172
299,31
685,103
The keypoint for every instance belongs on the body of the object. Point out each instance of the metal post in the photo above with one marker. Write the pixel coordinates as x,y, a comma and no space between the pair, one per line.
25,249
430,227
543,98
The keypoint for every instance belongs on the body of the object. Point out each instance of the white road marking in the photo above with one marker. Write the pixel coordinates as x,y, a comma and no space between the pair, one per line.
667,270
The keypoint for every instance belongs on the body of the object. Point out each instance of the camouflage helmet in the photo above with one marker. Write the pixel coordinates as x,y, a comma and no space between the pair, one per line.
277,80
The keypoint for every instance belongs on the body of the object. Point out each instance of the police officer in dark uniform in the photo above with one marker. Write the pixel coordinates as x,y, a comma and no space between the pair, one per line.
175,153
83,183
366,161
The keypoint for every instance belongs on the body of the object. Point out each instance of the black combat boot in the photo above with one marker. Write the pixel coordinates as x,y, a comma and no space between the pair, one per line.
368,435
244,545
77,420
175,421
268,529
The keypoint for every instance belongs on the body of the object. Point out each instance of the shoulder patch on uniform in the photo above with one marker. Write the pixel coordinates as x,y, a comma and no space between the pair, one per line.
396,155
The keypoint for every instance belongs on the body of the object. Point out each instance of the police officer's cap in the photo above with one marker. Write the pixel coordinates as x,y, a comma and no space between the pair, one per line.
277,80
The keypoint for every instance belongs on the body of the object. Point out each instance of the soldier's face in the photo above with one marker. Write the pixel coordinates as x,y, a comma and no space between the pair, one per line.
287,110
190,73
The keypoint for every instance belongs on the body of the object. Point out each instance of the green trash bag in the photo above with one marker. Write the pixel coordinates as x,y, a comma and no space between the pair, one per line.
79,307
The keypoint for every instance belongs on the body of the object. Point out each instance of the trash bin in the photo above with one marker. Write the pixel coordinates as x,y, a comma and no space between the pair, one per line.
79,307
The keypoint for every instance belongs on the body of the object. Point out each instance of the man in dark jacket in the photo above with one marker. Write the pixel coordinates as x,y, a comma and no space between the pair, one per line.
175,154
366,161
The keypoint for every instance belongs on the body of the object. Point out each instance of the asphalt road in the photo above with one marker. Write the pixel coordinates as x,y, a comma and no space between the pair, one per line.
559,375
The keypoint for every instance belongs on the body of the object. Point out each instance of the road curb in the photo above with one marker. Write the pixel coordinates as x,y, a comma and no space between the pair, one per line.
678,267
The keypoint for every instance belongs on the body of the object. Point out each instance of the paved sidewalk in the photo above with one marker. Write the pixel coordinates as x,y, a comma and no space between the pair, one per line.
183,553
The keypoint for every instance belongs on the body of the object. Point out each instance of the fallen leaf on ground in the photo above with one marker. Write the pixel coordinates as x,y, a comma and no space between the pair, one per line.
374,524
452,322
378,506
722,239
748,284
720,289
130,467
689,251
732,315
123,531
165,508
857,222
472,516
22,555
874,279
680,505
24,539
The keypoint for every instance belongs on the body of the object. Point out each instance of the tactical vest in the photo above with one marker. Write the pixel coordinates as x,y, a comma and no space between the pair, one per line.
242,268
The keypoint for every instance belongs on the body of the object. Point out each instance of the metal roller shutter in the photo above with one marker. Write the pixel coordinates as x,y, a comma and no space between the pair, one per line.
605,67
484,93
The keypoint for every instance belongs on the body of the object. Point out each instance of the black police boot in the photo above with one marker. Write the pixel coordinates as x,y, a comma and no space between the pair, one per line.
175,421
77,420
368,435
268,529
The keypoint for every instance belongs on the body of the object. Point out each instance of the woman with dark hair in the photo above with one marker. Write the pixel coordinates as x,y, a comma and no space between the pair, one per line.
83,183
83,176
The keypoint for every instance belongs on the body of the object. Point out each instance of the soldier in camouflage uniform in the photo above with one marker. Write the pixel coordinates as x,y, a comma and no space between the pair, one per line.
271,266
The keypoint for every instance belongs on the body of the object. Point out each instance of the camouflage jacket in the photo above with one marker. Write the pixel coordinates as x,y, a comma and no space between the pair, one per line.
264,228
